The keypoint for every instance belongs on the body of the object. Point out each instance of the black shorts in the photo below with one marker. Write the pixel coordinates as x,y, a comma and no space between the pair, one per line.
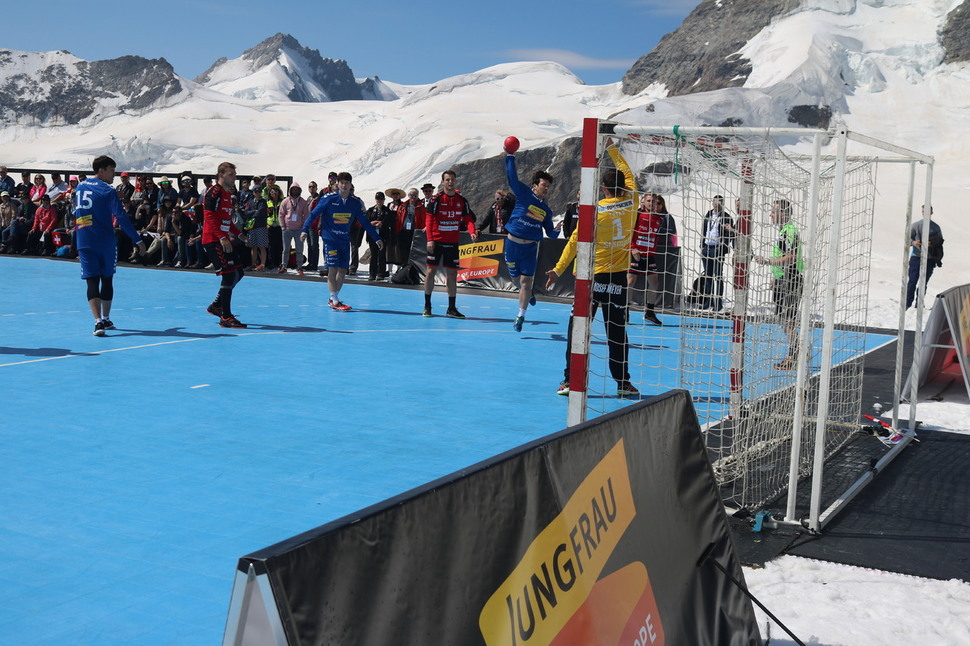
787,294
222,261
610,289
444,254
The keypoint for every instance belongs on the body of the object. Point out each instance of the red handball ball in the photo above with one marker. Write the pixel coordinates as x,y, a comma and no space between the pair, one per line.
511,145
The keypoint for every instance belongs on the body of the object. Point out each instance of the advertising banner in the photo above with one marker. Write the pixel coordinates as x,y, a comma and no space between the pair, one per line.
483,264
602,534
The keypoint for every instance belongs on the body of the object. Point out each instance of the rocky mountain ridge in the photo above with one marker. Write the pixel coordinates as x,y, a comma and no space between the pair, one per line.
57,88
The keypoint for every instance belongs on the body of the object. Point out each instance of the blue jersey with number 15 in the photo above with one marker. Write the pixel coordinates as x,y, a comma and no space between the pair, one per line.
95,202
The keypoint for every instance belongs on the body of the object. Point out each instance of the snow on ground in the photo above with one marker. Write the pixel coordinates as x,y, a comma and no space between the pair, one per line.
840,605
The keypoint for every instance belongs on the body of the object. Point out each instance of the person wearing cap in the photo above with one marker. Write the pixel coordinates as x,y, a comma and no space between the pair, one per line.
165,188
125,189
269,181
188,193
380,217
336,212
390,232
8,213
294,211
428,191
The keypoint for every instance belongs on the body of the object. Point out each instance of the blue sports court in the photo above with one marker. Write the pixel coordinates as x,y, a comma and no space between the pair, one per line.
138,467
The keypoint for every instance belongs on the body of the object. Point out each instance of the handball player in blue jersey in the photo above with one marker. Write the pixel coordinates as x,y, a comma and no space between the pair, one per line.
96,202
529,217
336,212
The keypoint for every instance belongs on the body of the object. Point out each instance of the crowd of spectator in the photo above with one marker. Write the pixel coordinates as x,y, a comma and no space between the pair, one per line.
36,218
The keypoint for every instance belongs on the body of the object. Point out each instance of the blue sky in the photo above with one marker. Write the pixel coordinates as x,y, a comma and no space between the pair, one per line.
405,42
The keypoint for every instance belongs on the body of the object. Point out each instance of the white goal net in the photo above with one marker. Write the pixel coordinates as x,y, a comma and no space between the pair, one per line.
762,315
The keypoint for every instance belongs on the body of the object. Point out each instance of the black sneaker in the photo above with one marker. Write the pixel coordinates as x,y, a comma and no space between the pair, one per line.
453,313
532,301
427,312
99,328
108,325
563,388
231,321
626,389
214,309
650,317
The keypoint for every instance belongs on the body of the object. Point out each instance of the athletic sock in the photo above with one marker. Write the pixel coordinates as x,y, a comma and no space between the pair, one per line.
451,302
225,300
333,297
521,311
427,300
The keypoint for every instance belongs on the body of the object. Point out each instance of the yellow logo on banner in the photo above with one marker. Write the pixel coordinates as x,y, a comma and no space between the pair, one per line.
484,248
561,566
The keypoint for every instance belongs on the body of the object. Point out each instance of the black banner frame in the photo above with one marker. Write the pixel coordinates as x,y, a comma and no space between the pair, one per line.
420,567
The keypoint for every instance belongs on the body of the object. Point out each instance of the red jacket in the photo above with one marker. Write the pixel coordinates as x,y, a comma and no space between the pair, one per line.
420,217
444,218
217,221
45,219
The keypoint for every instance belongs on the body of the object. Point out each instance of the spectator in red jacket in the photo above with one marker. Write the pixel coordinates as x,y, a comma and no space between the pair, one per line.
45,220
411,216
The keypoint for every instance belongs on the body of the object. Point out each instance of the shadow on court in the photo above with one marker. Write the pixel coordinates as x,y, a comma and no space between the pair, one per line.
172,332
43,352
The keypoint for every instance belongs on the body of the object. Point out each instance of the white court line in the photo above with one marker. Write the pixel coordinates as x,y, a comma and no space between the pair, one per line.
254,333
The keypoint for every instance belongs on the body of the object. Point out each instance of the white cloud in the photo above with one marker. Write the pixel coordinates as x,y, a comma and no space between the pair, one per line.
572,60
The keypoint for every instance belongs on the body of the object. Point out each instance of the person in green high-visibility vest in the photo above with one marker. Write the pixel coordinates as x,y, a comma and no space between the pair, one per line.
787,267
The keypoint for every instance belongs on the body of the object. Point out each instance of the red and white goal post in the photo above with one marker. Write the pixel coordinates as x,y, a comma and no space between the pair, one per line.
767,428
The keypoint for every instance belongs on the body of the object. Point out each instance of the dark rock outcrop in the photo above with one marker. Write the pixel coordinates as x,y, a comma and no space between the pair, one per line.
955,35
701,54
478,180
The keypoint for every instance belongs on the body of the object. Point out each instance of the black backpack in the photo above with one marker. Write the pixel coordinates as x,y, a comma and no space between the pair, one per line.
934,253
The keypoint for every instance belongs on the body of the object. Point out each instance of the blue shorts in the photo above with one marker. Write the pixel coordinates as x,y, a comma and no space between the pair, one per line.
521,258
337,254
98,262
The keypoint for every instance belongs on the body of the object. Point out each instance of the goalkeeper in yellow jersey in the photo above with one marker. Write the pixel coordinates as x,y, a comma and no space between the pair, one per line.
615,218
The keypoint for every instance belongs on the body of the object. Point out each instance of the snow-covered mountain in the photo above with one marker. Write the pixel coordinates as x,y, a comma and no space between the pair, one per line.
281,69
893,69
57,88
